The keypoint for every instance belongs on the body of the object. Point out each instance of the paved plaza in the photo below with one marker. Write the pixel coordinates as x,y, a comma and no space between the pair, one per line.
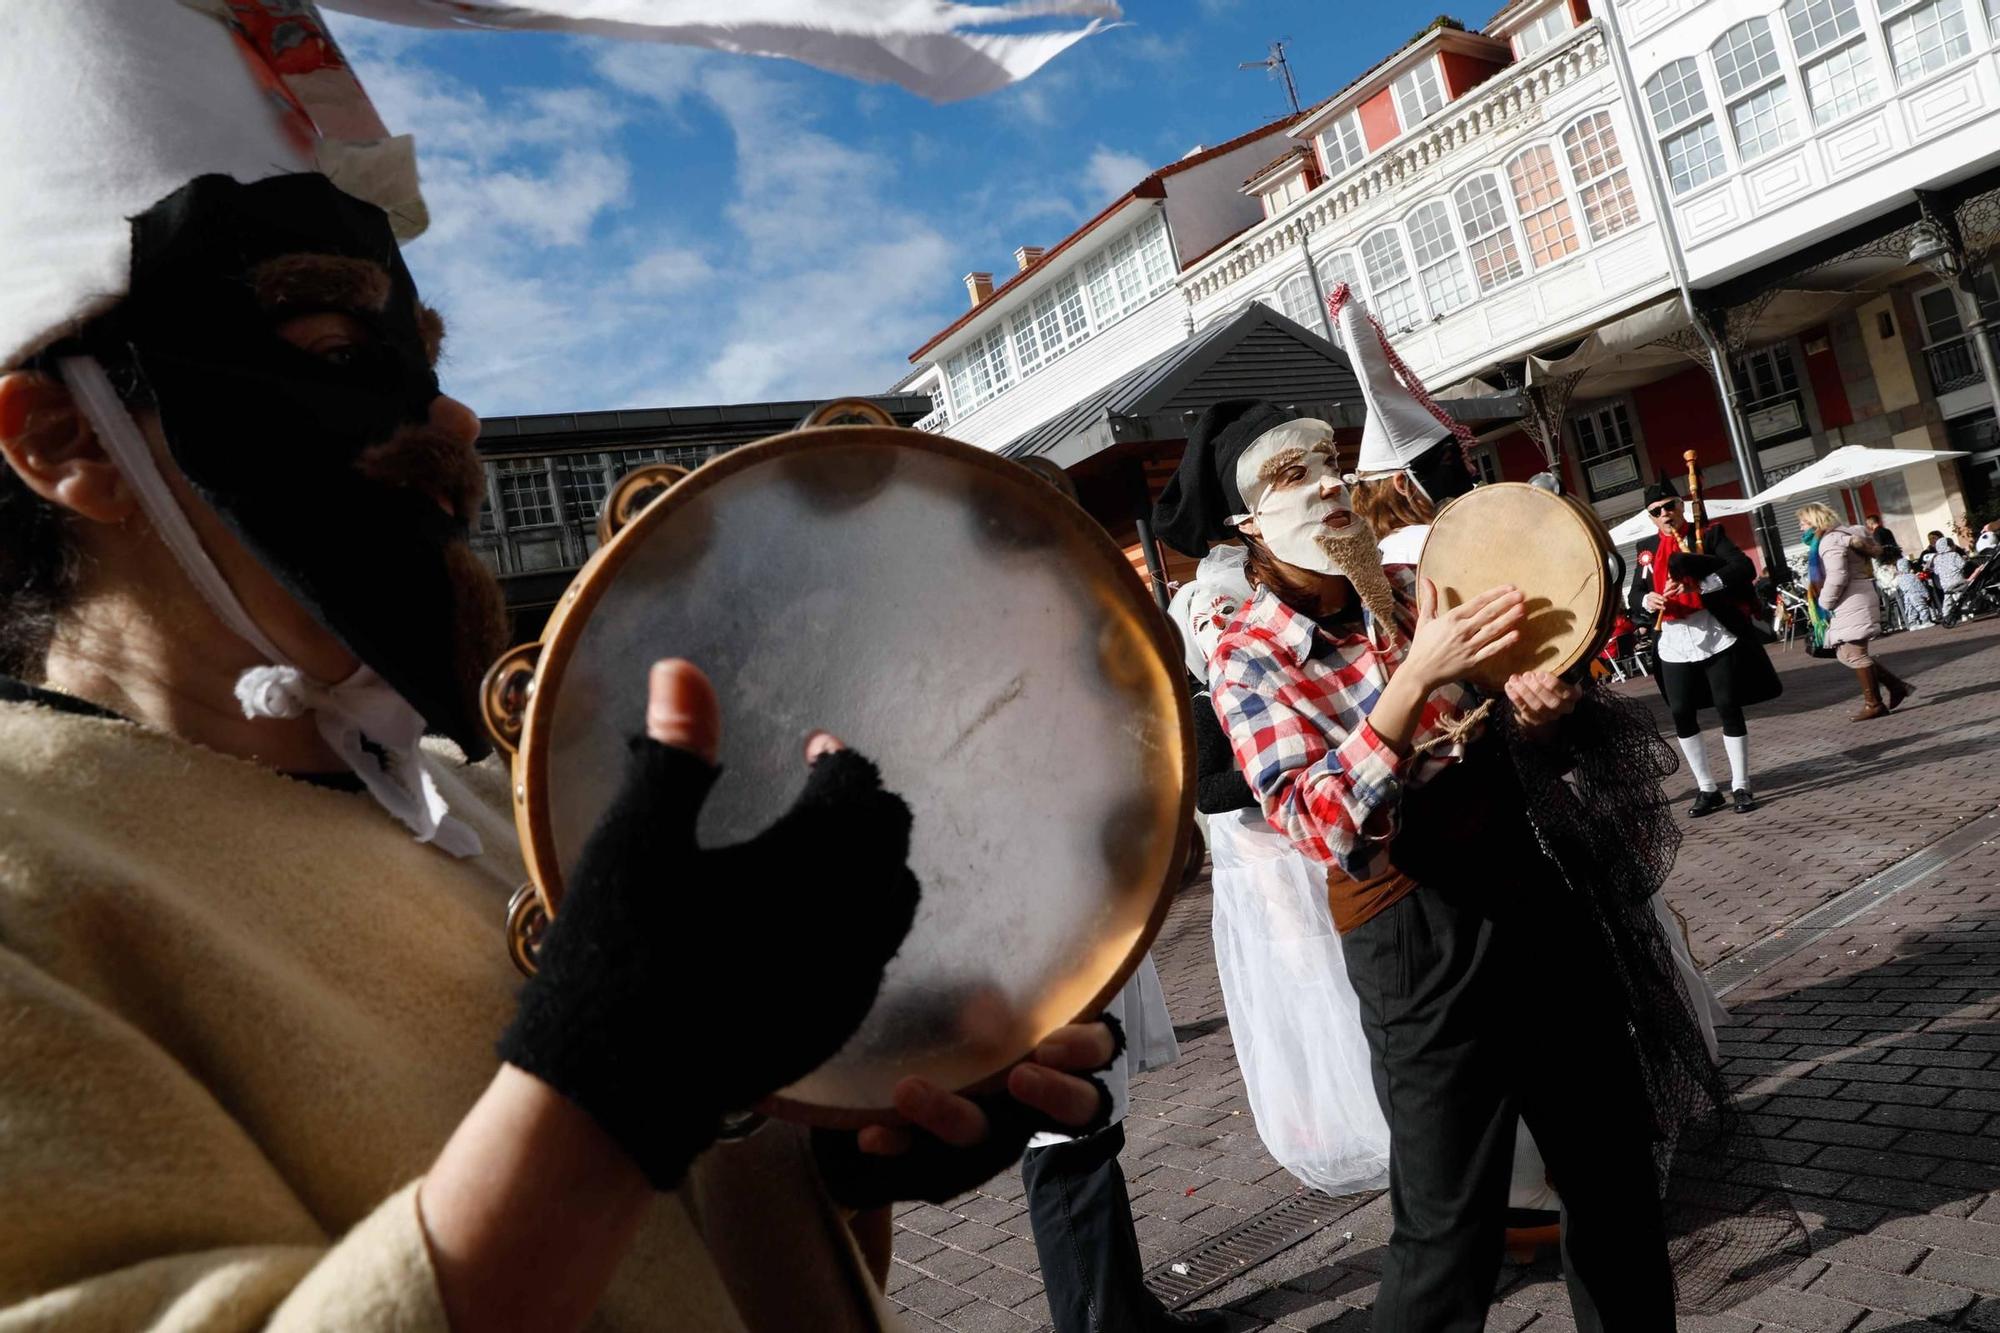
1866,1040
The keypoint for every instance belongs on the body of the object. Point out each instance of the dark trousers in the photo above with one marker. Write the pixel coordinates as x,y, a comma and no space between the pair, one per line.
1082,1219
1459,1050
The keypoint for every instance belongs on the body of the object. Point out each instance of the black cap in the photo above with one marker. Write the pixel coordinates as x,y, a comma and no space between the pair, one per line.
1663,489
1201,497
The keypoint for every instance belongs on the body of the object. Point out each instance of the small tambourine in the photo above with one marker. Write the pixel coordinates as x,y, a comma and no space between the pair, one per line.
950,616
1551,547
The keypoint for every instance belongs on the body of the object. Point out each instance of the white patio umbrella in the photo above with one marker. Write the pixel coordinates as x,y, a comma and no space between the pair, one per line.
1849,465
1639,526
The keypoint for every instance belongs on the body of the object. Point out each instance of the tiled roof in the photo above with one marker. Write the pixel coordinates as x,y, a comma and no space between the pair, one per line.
1292,154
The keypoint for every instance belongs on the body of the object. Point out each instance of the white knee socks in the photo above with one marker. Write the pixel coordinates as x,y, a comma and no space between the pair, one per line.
1698,761
1739,761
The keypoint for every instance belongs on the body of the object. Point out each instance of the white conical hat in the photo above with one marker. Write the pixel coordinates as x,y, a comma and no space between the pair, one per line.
1400,428
109,106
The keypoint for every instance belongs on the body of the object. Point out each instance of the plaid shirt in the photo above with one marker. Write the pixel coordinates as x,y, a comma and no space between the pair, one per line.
1295,700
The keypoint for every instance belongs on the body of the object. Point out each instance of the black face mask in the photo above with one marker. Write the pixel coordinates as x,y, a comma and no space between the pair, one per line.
270,435
1442,472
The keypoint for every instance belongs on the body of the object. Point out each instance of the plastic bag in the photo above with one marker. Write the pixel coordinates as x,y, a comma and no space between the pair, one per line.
1292,1013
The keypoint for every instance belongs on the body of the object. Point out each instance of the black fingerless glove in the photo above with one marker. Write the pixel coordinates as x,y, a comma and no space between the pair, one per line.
642,1009
934,1171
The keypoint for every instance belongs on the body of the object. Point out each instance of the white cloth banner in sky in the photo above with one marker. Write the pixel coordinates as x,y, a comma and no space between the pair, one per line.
931,47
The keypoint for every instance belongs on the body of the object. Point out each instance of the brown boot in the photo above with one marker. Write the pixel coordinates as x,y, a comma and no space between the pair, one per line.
1871,697
1894,686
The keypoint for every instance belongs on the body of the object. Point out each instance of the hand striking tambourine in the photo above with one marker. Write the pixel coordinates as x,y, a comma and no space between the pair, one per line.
955,619
1553,548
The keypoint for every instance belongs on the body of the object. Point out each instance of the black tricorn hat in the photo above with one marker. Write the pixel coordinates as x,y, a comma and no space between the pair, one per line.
1201,497
1663,489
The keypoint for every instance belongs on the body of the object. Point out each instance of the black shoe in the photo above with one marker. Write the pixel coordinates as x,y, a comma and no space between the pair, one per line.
1745,802
1706,803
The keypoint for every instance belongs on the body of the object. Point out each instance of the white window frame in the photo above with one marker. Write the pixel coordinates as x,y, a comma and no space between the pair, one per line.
1298,287
1765,415
1485,461
988,356
1119,271
1611,169
1510,227
1600,415
1385,295
1766,84
1565,194
1444,281
1533,36
1409,87
1671,124
1897,14
1850,45
1056,319
1327,268
1344,132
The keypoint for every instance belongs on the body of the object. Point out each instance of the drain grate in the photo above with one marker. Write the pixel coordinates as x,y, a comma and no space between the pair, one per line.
1808,930
1249,1243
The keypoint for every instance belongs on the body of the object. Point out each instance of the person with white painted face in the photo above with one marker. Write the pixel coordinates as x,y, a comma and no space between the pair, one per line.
1340,686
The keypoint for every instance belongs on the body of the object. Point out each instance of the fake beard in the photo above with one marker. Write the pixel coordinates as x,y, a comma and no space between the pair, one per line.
1352,553
1305,540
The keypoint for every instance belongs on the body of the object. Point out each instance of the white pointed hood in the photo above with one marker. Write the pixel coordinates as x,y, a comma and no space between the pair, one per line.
109,106
1400,426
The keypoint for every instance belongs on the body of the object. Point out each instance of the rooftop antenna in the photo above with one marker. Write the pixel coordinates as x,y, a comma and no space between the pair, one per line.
1282,67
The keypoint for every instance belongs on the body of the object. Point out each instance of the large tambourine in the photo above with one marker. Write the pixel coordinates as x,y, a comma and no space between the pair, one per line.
954,618
1551,547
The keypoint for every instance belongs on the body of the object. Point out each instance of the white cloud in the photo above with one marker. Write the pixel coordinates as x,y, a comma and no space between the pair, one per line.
567,290
670,269
1109,173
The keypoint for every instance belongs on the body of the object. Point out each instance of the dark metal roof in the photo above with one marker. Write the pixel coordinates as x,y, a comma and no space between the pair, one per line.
1257,353
714,428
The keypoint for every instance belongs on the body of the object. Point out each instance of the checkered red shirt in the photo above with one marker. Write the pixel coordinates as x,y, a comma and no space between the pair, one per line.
1295,700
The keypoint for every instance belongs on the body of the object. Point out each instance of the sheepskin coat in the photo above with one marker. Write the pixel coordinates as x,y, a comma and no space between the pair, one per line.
239,1016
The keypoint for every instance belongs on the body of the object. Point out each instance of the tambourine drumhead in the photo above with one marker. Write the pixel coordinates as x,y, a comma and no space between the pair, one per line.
953,618
1550,547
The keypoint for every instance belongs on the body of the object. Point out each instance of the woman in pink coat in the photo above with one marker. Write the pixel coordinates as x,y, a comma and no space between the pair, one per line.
1840,570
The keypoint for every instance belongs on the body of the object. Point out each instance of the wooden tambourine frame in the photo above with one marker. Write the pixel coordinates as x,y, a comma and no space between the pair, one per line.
521,687
1561,559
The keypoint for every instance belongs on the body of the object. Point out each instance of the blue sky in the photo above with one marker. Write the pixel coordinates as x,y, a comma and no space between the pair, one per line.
637,225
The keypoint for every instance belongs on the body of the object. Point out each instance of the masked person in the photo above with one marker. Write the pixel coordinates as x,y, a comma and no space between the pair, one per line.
251,924
1340,687
1710,653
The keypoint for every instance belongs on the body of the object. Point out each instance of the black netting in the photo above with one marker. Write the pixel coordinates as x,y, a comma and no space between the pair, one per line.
1600,813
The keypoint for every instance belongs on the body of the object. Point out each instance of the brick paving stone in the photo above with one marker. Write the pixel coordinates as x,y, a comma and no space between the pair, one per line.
1911,1295
1872,1058
1802,1310
1876,1252
1975,1272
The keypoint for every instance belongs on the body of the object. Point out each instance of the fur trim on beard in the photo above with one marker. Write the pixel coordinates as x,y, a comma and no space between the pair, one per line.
320,282
440,465
483,629
1355,557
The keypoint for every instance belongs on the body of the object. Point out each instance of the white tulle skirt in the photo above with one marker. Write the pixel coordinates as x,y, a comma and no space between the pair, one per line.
1296,1022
